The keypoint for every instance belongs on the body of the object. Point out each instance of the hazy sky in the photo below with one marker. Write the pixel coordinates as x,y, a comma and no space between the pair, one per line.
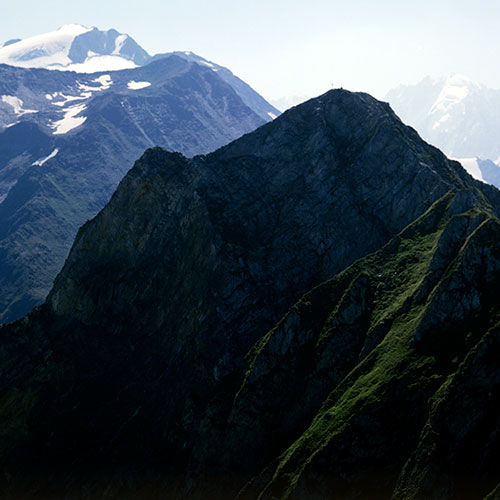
295,47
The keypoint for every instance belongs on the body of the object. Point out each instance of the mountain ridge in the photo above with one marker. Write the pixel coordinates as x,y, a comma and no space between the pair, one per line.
74,47
186,288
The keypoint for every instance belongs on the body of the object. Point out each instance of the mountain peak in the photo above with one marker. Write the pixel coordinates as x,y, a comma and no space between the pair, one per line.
174,317
74,47
455,88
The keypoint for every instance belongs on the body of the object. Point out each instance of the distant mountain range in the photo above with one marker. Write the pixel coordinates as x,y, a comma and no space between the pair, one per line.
67,138
74,47
458,116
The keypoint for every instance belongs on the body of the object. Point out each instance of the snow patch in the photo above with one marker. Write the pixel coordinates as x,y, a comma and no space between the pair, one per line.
455,90
206,63
71,119
70,98
88,88
41,161
41,51
105,81
133,85
443,119
119,42
17,105
272,115
97,63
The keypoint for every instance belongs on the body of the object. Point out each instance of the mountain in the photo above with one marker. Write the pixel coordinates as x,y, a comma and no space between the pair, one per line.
307,312
67,138
454,113
74,47
251,98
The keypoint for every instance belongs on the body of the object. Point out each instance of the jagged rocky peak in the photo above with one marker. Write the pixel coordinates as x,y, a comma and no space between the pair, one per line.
343,154
109,42
260,316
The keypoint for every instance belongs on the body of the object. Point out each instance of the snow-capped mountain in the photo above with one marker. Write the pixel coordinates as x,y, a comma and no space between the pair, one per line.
75,48
67,138
455,114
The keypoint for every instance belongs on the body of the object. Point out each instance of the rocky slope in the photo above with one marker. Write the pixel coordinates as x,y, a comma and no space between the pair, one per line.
169,359
393,384
248,95
72,138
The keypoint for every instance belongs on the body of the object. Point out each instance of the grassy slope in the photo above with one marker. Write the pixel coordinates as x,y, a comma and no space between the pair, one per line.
390,383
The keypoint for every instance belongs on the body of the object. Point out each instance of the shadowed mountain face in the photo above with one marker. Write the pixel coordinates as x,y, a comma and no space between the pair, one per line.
74,140
169,359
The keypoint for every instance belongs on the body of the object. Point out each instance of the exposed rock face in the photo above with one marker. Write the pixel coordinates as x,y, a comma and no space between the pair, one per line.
165,363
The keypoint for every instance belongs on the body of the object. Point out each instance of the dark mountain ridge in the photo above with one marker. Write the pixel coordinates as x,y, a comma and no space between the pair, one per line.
169,359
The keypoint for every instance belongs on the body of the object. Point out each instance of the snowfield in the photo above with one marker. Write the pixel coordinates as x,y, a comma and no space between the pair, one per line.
132,85
52,51
71,119
17,105
40,162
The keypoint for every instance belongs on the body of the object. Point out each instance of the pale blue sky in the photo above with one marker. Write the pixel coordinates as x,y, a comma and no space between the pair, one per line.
295,47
